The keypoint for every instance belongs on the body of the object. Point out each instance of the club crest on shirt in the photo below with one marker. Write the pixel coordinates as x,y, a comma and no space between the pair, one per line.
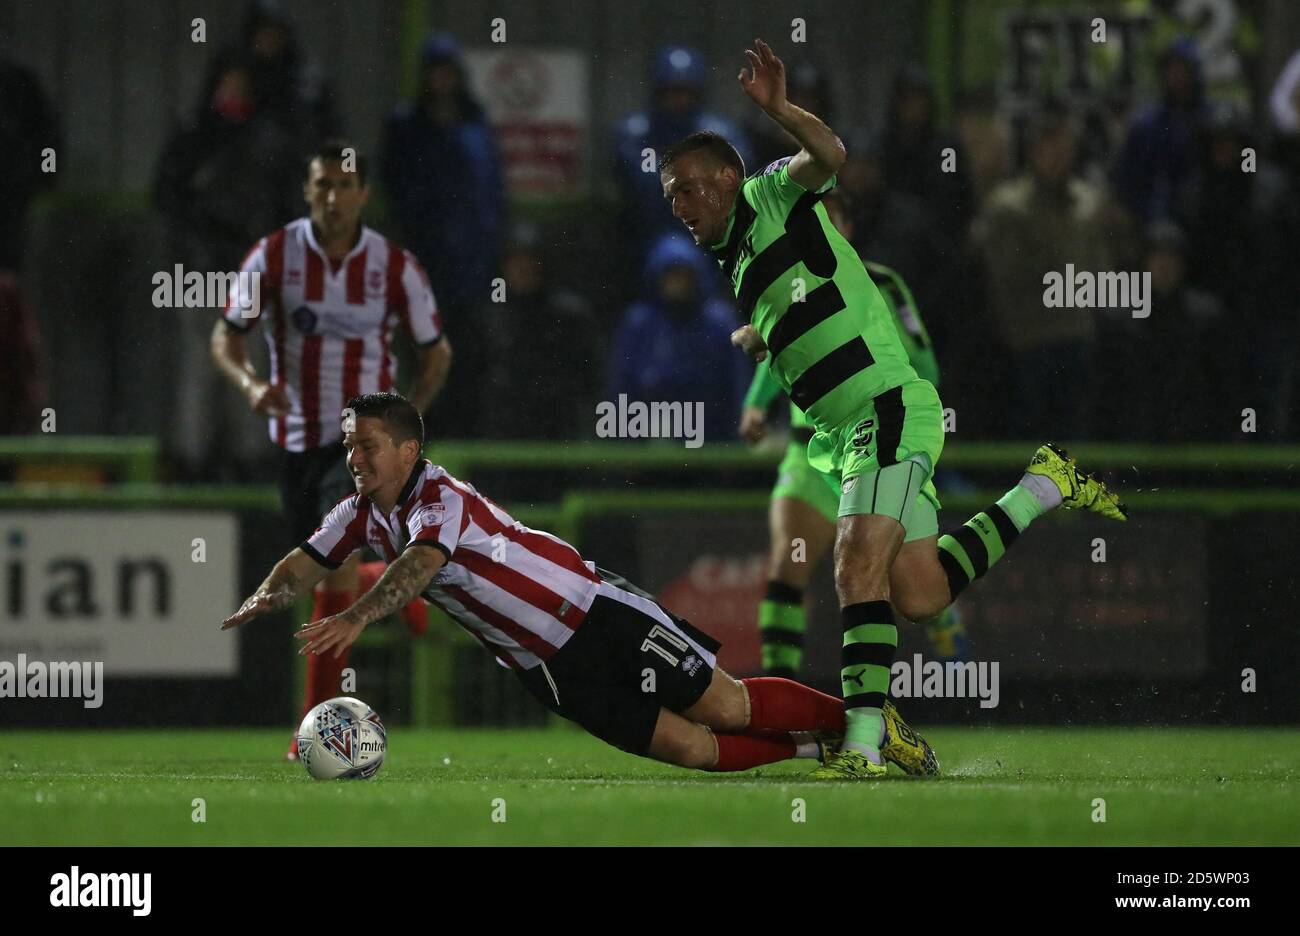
430,515
304,319
374,284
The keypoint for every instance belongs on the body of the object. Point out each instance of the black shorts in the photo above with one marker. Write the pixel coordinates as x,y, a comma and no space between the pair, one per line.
628,658
311,483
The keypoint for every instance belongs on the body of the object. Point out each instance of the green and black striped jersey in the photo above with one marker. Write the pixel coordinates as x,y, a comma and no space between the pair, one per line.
911,332
830,335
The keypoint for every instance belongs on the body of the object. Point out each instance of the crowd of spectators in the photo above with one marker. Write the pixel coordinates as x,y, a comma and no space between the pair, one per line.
1170,193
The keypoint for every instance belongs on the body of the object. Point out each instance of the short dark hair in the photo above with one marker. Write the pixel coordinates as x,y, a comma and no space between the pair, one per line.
714,143
333,151
402,420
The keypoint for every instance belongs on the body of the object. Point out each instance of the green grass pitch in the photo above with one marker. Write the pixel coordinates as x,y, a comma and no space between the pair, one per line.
559,786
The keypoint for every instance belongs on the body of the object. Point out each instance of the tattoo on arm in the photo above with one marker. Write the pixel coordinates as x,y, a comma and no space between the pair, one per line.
401,582
280,589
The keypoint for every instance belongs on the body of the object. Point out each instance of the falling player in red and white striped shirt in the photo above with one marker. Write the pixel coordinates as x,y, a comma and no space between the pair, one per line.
585,643
334,293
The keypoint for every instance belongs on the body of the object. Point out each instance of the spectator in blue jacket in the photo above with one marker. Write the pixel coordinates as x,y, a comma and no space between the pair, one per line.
440,165
442,171
676,110
1162,145
675,343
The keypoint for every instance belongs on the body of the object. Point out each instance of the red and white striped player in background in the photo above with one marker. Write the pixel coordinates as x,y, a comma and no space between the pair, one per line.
334,293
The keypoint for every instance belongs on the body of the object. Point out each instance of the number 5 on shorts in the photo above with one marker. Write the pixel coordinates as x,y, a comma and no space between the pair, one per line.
862,433
669,638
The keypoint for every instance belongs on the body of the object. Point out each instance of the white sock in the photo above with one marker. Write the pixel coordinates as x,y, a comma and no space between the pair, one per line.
872,754
1044,490
807,749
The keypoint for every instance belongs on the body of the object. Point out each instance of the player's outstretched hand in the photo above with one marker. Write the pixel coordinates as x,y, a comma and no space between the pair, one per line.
254,606
338,631
765,83
753,423
747,339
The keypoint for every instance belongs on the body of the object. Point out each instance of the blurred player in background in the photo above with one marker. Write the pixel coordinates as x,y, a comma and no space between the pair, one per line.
335,293
585,643
834,348
804,504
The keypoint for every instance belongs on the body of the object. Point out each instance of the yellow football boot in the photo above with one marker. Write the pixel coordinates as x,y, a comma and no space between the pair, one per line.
906,748
848,765
1079,489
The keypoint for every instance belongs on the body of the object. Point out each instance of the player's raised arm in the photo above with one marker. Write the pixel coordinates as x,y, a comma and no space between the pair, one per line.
401,582
294,574
822,153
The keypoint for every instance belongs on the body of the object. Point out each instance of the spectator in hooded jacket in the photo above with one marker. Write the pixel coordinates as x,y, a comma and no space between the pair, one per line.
676,110
675,343
1161,148
440,164
287,84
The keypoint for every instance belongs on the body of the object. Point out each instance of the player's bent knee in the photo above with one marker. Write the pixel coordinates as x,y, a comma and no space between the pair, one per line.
916,603
680,742
915,608
724,705
919,593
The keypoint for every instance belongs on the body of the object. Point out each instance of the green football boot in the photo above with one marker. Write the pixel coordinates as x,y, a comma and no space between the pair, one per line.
1079,489
848,765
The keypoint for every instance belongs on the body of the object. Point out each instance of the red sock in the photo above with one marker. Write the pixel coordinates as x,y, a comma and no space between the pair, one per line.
324,670
738,752
777,704
367,574
415,615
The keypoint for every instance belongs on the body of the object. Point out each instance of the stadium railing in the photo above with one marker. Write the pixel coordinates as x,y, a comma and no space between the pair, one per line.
566,515
132,459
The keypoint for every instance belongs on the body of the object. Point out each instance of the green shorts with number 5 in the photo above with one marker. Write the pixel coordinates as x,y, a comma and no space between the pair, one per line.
884,458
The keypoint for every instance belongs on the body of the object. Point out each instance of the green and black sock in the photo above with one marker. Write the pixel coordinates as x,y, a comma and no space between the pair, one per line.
781,623
970,550
870,640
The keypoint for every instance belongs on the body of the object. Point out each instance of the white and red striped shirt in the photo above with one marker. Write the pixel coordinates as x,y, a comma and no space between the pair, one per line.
521,592
331,326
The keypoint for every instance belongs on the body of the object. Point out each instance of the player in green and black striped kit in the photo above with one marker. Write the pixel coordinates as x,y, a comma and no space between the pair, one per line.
805,503
815,313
